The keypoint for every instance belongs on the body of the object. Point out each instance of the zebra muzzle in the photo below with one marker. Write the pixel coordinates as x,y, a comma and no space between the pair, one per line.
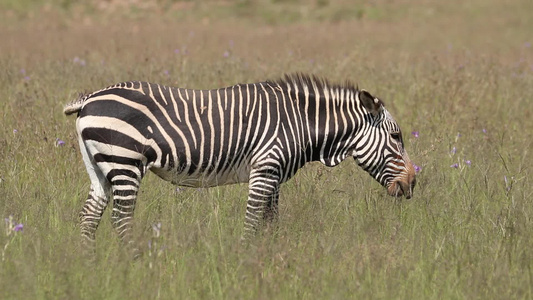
401,188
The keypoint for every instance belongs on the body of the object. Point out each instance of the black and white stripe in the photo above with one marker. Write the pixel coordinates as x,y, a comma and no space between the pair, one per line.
258,133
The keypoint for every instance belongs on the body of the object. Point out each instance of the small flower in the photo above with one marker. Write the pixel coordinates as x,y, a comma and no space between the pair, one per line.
226,53
27,78
18,227
11,226
458,135
15,131
23,71
165,72
415,134
468,163
79,61
453,151
177,51
484,130
59,143
417,168
455,165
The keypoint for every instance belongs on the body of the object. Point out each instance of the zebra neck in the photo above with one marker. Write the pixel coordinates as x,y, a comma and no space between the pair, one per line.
332,124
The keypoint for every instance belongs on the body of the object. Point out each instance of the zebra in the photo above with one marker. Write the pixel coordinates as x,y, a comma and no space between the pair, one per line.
260,133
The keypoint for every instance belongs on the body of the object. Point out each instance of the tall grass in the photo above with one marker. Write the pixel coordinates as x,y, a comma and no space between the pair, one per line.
461,74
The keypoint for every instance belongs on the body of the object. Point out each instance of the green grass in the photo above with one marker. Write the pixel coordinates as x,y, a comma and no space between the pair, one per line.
448,70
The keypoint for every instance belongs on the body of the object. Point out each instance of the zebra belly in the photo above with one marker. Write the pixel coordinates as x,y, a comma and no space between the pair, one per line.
203,179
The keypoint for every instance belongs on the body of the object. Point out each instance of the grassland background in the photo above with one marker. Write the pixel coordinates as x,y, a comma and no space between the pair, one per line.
459,72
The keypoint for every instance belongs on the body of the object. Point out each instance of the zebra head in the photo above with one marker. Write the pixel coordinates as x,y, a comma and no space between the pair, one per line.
379,148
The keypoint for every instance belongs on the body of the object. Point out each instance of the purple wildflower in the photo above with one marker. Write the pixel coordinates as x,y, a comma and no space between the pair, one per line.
455,165
484,130
15,131
10,225
27,78
415,134
468,163
458,135
226,53
165,72
59,142
453,151
18,227
417,168
79,61
23,71
177,51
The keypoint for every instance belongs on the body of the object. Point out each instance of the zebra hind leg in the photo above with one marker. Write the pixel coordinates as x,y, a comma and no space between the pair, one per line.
125,189
271,210
262,201
95,205
90,216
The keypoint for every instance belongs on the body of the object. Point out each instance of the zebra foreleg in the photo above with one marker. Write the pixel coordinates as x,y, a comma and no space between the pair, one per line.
262,200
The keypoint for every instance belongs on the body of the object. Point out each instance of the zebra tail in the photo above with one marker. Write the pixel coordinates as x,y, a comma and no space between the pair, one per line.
76,105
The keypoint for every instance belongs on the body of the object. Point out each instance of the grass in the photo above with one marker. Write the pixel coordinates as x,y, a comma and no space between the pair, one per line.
448,70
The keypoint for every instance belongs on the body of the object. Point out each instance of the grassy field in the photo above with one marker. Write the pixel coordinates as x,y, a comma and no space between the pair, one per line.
458,72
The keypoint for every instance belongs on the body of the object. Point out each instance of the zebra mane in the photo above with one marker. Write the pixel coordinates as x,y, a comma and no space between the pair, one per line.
302,80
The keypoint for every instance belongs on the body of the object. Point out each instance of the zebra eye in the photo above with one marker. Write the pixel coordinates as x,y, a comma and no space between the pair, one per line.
395,135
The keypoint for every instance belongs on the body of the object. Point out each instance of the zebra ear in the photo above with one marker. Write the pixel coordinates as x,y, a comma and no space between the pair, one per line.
371,103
